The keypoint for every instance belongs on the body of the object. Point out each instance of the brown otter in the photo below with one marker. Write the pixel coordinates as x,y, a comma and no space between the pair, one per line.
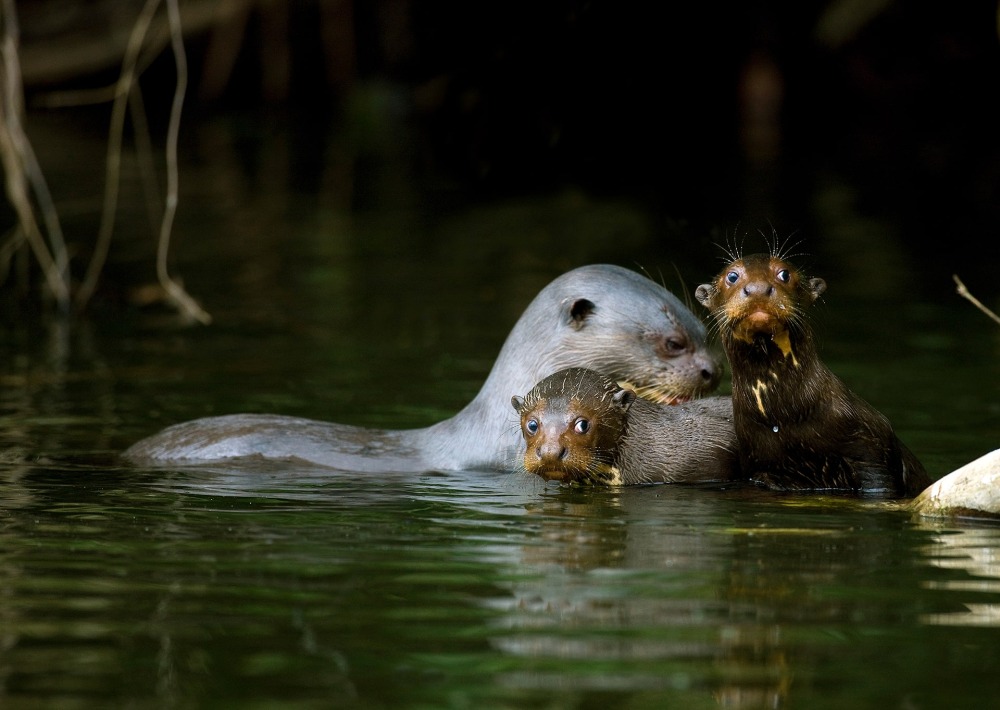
604,317
799,426
580,426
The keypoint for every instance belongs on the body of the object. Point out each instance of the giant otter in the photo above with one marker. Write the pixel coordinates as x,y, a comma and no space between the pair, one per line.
582,427
799,427
603,317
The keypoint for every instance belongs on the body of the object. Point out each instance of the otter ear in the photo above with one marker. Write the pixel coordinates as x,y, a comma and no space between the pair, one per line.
623,399
705,294
518,403
578,311
815,287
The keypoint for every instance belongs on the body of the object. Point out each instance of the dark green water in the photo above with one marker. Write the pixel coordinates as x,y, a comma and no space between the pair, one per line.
361,298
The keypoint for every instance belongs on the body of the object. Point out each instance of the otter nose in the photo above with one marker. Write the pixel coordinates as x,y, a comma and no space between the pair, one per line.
710,372
758,288
551,452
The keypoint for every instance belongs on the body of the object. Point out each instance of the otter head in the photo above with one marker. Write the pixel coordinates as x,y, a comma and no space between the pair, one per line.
759,296
633,330
571,423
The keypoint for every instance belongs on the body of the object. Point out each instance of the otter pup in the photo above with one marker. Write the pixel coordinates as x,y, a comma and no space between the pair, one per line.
580,426
799,426
600,316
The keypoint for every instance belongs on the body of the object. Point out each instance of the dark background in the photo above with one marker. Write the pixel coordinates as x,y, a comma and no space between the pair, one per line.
718,117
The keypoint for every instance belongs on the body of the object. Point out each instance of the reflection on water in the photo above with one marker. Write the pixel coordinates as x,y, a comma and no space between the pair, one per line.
261,584
976,552
266,581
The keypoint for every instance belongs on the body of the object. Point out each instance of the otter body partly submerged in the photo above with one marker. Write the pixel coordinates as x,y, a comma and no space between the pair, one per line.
603,317
582,427
799,426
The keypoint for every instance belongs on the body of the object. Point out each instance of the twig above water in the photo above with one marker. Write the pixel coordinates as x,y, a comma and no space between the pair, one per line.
964,292
175,291
25,184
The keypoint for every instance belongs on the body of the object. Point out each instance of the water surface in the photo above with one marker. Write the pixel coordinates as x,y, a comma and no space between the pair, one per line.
276,585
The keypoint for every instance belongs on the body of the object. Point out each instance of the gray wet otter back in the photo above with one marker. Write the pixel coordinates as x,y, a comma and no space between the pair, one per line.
580,426
599,316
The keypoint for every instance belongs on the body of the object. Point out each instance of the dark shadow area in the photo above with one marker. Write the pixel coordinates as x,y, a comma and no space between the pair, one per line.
867,130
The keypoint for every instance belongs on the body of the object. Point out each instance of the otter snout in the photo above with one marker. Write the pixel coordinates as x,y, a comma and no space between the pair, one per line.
758,289
712,369
551,452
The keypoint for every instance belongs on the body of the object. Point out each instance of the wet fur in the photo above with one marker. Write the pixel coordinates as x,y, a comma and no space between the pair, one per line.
799,426
638,442
556,451
604,317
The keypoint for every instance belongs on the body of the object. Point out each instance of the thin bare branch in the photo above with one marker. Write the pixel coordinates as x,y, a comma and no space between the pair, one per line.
964,292
112,171
174,290
21,167
144,158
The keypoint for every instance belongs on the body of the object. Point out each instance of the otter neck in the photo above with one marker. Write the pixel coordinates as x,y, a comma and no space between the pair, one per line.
487,422
777,377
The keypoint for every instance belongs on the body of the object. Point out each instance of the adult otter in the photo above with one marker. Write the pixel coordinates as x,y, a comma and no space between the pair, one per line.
799,426
580,426
604,317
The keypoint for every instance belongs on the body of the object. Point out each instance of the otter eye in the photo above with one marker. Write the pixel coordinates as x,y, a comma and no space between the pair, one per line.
668,345
582,426
674,347
531,426
732,277
784,276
